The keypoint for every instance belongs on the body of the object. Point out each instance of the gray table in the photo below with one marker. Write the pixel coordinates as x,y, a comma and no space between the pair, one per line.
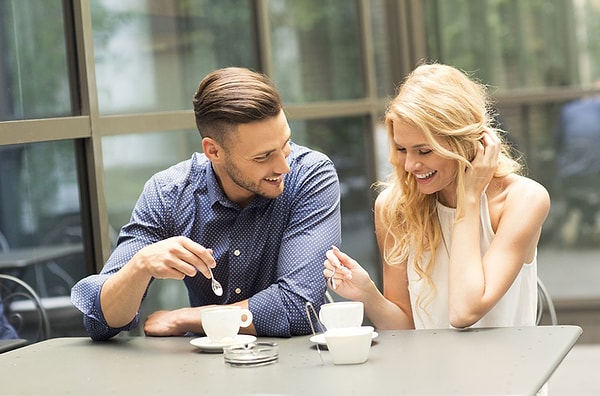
503,361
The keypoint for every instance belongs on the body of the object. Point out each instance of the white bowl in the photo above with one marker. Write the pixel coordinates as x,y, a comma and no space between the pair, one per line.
349,345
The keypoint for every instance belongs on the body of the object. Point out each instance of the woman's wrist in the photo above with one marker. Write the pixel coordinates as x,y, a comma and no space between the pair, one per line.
371,295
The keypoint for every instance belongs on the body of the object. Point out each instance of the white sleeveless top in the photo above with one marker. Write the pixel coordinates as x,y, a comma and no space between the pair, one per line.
516,308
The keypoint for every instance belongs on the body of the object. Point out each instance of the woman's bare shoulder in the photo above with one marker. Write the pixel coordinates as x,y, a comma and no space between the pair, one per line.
524,186
518,191
382,198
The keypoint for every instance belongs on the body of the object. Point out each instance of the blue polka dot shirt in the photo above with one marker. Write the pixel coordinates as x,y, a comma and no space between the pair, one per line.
270,252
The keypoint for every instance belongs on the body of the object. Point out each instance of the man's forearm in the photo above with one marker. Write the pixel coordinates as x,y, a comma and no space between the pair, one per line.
121,295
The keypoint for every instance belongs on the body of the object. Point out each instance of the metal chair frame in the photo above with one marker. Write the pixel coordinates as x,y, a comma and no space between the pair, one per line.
544,301
14,296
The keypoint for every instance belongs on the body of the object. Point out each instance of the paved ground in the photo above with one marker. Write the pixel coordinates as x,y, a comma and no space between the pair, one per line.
570,273
569,253
578,373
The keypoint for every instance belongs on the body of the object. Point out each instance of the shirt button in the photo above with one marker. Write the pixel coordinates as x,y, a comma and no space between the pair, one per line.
238,290
236,252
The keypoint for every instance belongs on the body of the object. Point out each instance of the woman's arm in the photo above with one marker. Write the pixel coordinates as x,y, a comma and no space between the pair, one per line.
518,207
395,281
388,311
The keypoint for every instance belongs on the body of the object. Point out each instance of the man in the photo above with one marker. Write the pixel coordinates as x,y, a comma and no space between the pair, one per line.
258,209
578,168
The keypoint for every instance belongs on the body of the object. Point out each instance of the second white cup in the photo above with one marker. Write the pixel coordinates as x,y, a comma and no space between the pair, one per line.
221,324
342,314
349,345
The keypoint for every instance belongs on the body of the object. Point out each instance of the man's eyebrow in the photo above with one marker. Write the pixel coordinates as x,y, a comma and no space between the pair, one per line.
267,152
262,153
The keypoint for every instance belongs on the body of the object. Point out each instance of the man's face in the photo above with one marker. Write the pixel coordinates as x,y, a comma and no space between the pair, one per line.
256,160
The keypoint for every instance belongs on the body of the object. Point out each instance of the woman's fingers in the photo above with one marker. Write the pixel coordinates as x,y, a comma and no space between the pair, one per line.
334,267
333,258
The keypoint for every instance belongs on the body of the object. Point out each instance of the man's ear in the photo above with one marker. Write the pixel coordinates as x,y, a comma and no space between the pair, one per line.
212,149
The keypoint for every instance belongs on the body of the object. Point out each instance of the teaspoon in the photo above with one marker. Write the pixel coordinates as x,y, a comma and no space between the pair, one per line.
216,286
331,278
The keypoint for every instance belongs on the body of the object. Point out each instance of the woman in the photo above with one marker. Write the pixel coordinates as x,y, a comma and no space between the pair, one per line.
456,225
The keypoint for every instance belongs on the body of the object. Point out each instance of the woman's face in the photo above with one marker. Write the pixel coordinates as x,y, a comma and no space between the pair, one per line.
432,172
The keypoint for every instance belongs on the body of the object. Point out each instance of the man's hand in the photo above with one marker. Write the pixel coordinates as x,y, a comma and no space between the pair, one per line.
174,258
173,323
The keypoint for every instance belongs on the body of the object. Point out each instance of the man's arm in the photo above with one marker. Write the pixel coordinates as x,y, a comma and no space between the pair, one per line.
122,292
314,226
172,258
110,301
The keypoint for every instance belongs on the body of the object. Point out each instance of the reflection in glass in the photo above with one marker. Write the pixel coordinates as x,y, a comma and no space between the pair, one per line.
578,170
33,64
130,160
381,49
38,192
517,44
150,55
531,129
41,236
316,50
566,162
344,141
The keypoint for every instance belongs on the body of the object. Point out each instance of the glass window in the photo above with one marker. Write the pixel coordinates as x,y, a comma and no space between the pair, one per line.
517,44
39,196
565,160
41,237
316,50
381,48
586,30
150,55
33,65
130,160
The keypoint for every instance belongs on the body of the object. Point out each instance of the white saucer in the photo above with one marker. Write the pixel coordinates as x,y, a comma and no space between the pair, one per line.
206,345
320,338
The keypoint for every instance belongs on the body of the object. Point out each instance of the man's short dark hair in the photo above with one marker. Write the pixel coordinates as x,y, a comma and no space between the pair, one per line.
231,96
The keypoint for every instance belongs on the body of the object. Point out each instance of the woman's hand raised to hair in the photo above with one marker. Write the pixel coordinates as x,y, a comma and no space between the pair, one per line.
484,164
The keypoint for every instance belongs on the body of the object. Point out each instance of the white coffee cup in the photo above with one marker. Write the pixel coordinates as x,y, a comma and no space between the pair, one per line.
349,345
221,324
341,314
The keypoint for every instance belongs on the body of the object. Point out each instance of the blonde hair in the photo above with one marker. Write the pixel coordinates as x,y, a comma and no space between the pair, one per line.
440,101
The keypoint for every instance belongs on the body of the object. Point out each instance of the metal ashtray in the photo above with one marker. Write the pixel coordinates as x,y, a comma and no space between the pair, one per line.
251,355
